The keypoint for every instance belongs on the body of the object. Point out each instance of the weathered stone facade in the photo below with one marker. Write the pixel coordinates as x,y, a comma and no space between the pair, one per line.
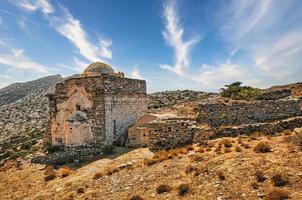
96,108
247,112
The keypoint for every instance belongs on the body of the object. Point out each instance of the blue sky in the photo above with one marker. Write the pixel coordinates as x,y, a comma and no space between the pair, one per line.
173,44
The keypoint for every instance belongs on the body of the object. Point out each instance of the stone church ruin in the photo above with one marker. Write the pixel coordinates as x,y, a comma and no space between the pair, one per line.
96,108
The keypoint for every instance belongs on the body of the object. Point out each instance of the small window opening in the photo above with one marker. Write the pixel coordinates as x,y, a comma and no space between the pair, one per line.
78,107
114,126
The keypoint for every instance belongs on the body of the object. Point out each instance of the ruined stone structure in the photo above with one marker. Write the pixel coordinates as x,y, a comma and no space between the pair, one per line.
218,119
95,108
247,112
158,131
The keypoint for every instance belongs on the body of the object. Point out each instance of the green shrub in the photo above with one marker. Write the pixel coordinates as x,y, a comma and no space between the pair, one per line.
236,91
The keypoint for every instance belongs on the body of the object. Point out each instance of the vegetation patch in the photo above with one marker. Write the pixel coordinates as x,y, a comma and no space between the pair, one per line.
277,194
163,188
237,91
262,147
183,189
280,179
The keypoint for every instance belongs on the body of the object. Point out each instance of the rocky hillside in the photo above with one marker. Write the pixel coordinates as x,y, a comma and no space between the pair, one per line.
296,88
168,99
24,112
18,91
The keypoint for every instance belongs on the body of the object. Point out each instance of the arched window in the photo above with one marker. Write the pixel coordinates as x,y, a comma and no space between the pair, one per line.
78,107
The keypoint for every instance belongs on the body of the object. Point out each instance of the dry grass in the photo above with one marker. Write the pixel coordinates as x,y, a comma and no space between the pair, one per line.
246,145
255,135
227,143
183,189
80,190
287,132
238,149
280,179
262,147
64,171
297,139
260,177
136,197
49,173
98,175
221,176
277,194
163,188
228,150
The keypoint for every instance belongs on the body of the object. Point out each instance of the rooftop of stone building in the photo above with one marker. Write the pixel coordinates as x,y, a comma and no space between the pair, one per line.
98,68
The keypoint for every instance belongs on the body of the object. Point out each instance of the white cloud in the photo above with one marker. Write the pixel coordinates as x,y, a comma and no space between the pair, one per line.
16,58
173,35
71,28
221,74
136,73
33,5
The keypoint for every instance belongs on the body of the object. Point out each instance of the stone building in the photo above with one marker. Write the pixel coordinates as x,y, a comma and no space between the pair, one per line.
95,108
158,131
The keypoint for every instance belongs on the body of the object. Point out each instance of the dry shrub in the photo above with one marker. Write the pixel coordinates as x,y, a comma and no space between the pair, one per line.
279,179
183,189
111,170
238,149
190,168
80,190
297,139
49,173
260,177
163,188
136,197
228,150
277,194
255,135
189,147
64,171
197,158
262,147
246,145
218,150
286,132
98,175
200,150
255,185
211,144
227,143
208,149
221,176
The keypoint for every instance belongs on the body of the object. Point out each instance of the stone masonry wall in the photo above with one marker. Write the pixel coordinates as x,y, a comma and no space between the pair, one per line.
113,84
122,111
169,134
86,94
241,112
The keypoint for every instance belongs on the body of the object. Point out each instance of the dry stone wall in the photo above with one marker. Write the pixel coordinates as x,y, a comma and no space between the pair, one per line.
169,134
242,112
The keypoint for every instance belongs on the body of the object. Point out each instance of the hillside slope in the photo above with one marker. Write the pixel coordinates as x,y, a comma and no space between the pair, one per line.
227,168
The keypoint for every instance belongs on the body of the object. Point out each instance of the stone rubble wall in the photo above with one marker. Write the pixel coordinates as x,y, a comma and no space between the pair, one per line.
275,94
242,112
265,128
169,134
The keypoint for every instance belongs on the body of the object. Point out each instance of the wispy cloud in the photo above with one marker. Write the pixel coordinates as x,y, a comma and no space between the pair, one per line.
16,58
33,5
173,35
136,73
71,28
270,33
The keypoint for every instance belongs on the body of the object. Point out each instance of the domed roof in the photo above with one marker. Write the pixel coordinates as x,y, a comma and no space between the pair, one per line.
99,68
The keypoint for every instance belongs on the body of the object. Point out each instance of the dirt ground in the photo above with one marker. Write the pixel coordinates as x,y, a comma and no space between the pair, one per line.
223,173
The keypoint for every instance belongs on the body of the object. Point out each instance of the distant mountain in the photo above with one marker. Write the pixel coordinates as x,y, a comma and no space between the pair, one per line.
17,91
24,108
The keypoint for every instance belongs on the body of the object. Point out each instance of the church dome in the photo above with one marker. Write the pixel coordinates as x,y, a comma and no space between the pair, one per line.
98,68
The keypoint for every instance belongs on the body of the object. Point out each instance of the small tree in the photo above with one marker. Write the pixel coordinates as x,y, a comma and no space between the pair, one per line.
236,91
